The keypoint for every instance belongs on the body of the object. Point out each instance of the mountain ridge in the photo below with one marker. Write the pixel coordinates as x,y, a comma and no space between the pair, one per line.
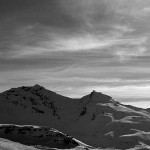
39,87
95,119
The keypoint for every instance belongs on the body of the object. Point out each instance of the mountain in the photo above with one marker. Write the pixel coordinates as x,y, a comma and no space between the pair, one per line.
95,119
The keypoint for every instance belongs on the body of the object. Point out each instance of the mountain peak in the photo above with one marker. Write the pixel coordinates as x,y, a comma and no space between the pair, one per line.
96,94
96,97
37,86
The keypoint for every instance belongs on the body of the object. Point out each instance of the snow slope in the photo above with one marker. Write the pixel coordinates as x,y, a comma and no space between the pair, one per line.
31,137
95,119
35,135
9,145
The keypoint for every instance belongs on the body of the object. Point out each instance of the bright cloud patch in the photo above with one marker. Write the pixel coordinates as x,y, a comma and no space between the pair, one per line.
73,47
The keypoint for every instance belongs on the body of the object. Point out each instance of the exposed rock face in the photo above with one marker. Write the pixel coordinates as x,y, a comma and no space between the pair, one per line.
96,119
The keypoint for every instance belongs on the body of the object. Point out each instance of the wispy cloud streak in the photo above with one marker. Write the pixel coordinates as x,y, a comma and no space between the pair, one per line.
73,47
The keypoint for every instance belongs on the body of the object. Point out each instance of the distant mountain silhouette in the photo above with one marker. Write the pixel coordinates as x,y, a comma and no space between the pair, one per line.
95,119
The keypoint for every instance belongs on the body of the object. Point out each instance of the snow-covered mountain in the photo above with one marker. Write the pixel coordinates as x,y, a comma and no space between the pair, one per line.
95,119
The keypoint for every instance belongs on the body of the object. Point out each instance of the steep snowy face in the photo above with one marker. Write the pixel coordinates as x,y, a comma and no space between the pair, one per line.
36,100
36,135
91,106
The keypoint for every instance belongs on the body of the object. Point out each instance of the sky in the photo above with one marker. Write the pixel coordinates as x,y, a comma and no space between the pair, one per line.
75,46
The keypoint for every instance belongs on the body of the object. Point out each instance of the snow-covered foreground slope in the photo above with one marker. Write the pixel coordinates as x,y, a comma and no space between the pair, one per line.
9,145
35,135
6,144
95,119
29,137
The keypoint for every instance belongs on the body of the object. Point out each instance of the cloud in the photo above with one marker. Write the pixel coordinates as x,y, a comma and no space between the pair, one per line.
85,42
140,104
74,46
125,54
127,92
